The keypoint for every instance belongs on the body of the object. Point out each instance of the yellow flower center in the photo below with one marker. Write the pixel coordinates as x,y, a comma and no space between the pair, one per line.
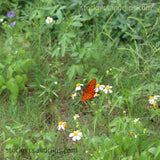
86,151
98,85
72,95
136,120
154,104
76,116
131,133
151,97
78,84
75,133
49,19
64,125
60,123
107,87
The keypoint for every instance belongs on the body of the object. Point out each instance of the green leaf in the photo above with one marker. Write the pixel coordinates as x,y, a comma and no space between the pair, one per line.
9,72
2,88
2,80
10,129
12,86
158,151
16,141
33,15
59,15
153,150
17,126
1,66
71,72
56,52
7,150
79,69
77,24
18,79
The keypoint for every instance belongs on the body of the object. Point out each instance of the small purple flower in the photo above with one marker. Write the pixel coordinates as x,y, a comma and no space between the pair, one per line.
13,23
11,14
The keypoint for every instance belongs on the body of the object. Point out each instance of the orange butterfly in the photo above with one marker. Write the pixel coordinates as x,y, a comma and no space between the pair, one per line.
89,91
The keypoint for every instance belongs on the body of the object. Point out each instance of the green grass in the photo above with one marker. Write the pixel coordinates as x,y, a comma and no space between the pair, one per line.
86,40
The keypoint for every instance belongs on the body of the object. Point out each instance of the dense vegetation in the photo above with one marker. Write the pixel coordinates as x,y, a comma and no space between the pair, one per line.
50,50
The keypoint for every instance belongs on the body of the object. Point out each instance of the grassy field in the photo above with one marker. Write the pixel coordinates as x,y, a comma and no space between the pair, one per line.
80,80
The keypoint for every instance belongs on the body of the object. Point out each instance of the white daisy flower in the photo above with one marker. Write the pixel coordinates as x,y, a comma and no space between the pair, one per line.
99,87
76,135
151,99
135,136
55,82
61,125
108,89
136,120
49,20
73,95
76,116
156,97
78,86
1,19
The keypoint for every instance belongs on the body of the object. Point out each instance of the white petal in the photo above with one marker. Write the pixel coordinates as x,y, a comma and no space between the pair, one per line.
78,138
59,127
71,135
79,133
96,89
74,138
106,91
78,88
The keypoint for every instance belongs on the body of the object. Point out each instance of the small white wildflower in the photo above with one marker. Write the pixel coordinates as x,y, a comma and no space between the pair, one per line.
151,99
61,125
136,120
55,82
108,89
76,116
156,97
99,87
1,19
76,135
49,20
73,95
78,86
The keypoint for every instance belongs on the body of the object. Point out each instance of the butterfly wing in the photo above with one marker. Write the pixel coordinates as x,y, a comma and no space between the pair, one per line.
89,91
87,96
91,85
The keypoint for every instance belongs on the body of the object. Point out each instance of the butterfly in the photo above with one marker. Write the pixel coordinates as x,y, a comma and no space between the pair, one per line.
89,91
